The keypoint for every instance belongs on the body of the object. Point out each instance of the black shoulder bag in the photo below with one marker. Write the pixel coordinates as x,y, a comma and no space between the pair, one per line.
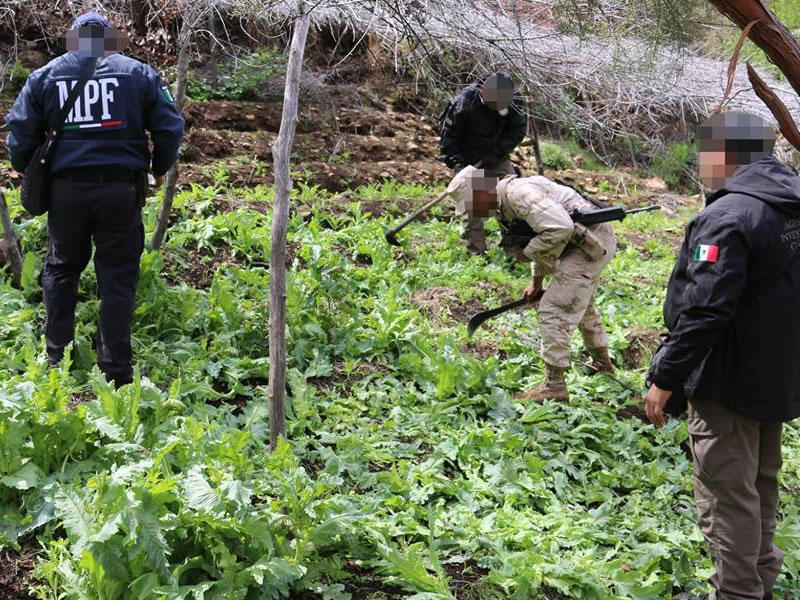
36,185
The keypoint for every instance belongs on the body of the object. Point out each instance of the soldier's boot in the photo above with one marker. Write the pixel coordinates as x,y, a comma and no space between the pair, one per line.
601,360
554,386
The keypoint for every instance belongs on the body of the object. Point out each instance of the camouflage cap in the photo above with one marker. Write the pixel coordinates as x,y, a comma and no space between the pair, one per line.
465,182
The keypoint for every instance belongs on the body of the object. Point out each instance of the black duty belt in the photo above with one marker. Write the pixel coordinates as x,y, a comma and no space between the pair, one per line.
98,174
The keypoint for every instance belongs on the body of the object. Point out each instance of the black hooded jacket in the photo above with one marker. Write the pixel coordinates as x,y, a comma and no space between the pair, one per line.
472,131
733,301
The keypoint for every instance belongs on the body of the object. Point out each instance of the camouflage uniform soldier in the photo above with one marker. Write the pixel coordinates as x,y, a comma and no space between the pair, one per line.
573,254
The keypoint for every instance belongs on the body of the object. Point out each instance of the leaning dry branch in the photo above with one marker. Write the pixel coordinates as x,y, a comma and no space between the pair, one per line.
191,20
776,106
10,239
733,64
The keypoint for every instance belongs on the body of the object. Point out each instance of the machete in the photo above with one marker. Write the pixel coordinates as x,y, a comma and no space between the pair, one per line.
480,318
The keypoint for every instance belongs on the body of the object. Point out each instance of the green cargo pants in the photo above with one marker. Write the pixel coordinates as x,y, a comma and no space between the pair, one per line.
736,465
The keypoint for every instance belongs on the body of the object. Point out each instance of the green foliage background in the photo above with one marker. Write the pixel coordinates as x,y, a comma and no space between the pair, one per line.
410,466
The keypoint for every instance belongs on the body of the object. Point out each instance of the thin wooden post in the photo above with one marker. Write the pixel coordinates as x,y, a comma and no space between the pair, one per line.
12,250
281,152
180,99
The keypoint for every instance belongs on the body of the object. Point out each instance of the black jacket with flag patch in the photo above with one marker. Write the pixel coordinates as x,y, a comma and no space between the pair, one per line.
733,301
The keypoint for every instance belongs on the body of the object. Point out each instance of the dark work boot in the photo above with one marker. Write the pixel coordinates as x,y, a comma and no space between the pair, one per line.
554,386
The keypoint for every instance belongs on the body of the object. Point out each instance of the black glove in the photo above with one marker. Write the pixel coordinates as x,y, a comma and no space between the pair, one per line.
455,162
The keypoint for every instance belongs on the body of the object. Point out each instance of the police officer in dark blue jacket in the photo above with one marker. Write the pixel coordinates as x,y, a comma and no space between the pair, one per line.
99,180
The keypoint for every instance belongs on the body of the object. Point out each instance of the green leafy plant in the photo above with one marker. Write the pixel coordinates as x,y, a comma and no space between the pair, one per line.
18,76
672,164
240,78
555,157
411,466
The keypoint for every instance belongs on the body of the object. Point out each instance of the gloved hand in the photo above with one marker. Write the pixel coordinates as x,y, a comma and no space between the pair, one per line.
456,162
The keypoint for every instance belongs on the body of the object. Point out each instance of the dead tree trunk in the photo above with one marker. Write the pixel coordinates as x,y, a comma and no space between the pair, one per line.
780,46
11,248
537,149
282,149
180,98
533,132
769,34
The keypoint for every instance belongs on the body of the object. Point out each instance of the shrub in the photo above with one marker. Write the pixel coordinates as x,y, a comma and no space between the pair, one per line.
671,163
555,157
243,79
19,75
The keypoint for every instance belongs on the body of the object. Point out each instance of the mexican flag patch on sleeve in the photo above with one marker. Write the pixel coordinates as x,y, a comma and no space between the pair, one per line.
706,253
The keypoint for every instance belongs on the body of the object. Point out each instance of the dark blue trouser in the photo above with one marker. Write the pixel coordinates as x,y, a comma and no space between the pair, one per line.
108,213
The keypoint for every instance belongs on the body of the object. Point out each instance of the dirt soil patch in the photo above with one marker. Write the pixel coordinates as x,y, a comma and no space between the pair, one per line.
199,268
642,343
81,398
263,117
442,303
16,571
205,145
340,378
237,402
463,577
334,177
365,584
483,349
633,411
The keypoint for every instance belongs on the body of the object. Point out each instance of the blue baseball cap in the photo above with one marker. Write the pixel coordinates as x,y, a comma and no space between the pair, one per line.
91,18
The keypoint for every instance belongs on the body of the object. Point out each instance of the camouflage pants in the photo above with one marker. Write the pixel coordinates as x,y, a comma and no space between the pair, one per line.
568,302
474,228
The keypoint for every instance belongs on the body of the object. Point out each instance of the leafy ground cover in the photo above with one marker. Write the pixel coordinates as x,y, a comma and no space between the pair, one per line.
411,468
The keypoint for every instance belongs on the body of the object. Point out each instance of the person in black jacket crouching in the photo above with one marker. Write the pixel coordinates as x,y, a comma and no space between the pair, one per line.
482,126
734,347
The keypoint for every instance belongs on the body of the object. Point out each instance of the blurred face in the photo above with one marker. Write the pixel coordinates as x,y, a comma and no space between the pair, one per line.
96,40
484,203
715,168
478,196
730,140
497,93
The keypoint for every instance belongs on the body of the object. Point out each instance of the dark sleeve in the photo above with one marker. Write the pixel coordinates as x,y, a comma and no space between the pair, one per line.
163,121
516,127
452,132
711,296
26,124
